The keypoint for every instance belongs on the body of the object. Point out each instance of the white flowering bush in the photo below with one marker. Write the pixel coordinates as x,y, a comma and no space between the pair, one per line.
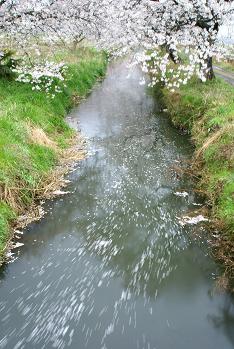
43,76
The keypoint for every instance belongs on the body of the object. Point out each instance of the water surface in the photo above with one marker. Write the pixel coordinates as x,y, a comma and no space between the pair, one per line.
110,266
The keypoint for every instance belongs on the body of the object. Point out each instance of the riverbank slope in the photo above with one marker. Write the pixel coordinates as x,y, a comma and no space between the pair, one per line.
206,110
34,134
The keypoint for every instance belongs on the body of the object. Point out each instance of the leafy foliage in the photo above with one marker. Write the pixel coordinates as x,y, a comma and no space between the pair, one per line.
8,64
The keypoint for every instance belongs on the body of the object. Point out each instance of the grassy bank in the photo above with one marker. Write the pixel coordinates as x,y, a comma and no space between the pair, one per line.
33,131
207,111
226,65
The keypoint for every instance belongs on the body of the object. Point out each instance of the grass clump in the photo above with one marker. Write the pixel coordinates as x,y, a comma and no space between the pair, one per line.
207,111
33,131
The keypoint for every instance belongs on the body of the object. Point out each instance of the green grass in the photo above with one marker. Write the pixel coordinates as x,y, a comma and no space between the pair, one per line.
207,111
226,65
23,161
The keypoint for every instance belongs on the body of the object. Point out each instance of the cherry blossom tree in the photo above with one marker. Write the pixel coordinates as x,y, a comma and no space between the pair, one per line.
172,39
179,31
29,25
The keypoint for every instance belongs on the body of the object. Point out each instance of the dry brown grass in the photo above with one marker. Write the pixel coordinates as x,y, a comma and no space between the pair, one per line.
38,136
224,252
222,284
227,129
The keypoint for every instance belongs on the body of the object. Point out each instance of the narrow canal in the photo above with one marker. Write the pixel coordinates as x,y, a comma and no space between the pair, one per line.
110,266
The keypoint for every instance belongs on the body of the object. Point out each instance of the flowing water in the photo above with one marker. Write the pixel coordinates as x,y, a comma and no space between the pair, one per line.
110,266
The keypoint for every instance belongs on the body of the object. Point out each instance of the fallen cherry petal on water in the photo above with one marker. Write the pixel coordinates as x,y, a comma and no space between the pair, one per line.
60,192
18,244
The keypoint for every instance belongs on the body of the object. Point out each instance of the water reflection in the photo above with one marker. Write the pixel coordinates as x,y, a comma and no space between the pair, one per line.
224,320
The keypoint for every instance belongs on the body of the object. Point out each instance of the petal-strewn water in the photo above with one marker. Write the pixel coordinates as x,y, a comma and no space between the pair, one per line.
110,266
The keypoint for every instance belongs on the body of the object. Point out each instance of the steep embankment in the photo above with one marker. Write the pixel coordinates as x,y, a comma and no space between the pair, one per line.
207,111
33,134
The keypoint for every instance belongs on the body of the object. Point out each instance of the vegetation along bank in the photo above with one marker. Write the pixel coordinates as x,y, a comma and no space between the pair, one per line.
206,110
34,134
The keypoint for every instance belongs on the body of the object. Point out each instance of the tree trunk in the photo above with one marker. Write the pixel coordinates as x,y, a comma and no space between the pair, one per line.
76,41
172,54
209,74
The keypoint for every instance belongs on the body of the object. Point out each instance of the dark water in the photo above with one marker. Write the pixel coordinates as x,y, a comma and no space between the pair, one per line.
110,266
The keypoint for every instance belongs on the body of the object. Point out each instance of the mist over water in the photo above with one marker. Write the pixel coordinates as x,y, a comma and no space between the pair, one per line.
110,266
